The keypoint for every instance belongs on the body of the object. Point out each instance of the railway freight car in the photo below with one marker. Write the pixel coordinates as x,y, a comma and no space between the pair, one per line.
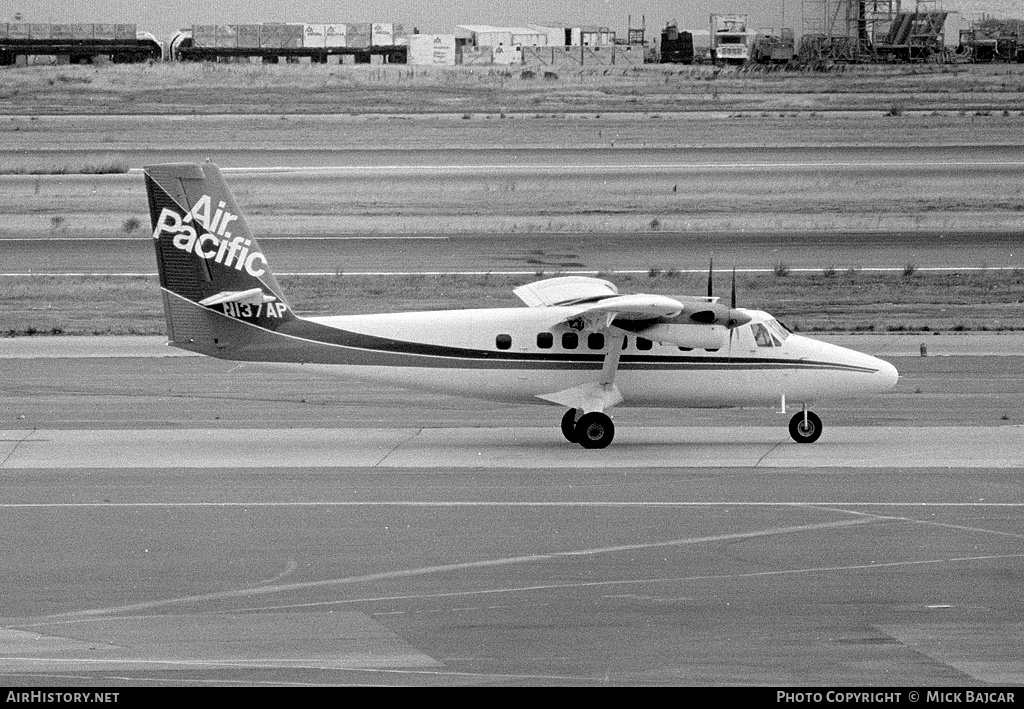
359,43
82,43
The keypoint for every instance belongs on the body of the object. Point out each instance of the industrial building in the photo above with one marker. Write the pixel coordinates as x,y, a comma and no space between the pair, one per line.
830,32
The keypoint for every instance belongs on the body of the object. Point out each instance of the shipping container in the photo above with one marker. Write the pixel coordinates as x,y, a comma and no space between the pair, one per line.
25,44
293,35
278,35
314,36
382,34
272,35
204,35
248,36
334,35
359,35
432,49
227,36
508,55
83,31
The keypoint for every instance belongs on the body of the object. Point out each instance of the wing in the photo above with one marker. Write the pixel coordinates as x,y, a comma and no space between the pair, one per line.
564,290
639,308
695,322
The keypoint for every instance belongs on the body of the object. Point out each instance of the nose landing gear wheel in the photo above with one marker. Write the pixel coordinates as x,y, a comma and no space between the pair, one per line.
594,430
805,430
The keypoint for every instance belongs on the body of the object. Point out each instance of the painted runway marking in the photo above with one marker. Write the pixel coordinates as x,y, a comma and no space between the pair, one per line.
444,568
830,506
652,580
27,438
946,525
626,167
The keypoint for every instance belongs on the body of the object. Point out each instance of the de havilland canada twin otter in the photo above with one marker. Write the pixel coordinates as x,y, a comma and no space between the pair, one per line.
579,343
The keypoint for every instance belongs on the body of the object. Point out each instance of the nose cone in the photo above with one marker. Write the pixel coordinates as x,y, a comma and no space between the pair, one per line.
851,373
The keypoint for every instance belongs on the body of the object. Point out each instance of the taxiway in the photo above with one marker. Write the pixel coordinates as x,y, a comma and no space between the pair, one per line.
178,521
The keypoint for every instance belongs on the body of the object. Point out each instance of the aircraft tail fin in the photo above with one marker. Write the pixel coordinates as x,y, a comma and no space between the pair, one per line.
210,266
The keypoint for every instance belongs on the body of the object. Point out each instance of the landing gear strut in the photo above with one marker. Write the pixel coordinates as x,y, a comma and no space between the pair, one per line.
805,427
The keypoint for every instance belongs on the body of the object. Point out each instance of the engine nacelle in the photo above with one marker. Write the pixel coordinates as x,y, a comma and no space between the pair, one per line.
704,337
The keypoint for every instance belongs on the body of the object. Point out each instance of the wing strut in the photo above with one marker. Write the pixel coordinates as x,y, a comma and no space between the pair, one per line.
599,395
611,360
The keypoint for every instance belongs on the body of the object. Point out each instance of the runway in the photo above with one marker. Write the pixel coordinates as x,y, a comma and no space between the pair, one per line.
178,521
526,254
561,201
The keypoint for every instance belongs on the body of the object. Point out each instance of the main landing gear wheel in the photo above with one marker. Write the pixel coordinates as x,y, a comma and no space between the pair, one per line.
805,430
594,430
569,425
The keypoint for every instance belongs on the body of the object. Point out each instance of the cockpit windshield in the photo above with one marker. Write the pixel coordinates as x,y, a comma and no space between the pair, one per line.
777,329
770,333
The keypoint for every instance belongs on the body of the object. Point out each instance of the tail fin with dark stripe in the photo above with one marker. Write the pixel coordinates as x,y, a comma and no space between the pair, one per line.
210,265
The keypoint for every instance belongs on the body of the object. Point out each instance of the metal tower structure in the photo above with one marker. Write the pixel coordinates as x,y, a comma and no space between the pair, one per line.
845,30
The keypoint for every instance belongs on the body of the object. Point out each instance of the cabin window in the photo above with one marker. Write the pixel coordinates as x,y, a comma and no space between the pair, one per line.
595,341
570,340
762,337
686,349
642,343
503,342
545,340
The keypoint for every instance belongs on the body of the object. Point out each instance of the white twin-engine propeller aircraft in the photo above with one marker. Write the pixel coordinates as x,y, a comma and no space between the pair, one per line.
580,344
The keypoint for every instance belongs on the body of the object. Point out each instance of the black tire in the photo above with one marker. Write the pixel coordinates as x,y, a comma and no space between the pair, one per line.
805,432
595,430
569,425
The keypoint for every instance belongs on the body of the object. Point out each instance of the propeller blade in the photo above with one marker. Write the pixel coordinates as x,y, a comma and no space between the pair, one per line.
732,304
711,270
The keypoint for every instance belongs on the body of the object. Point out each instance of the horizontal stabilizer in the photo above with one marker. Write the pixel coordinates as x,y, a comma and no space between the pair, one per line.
253,296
